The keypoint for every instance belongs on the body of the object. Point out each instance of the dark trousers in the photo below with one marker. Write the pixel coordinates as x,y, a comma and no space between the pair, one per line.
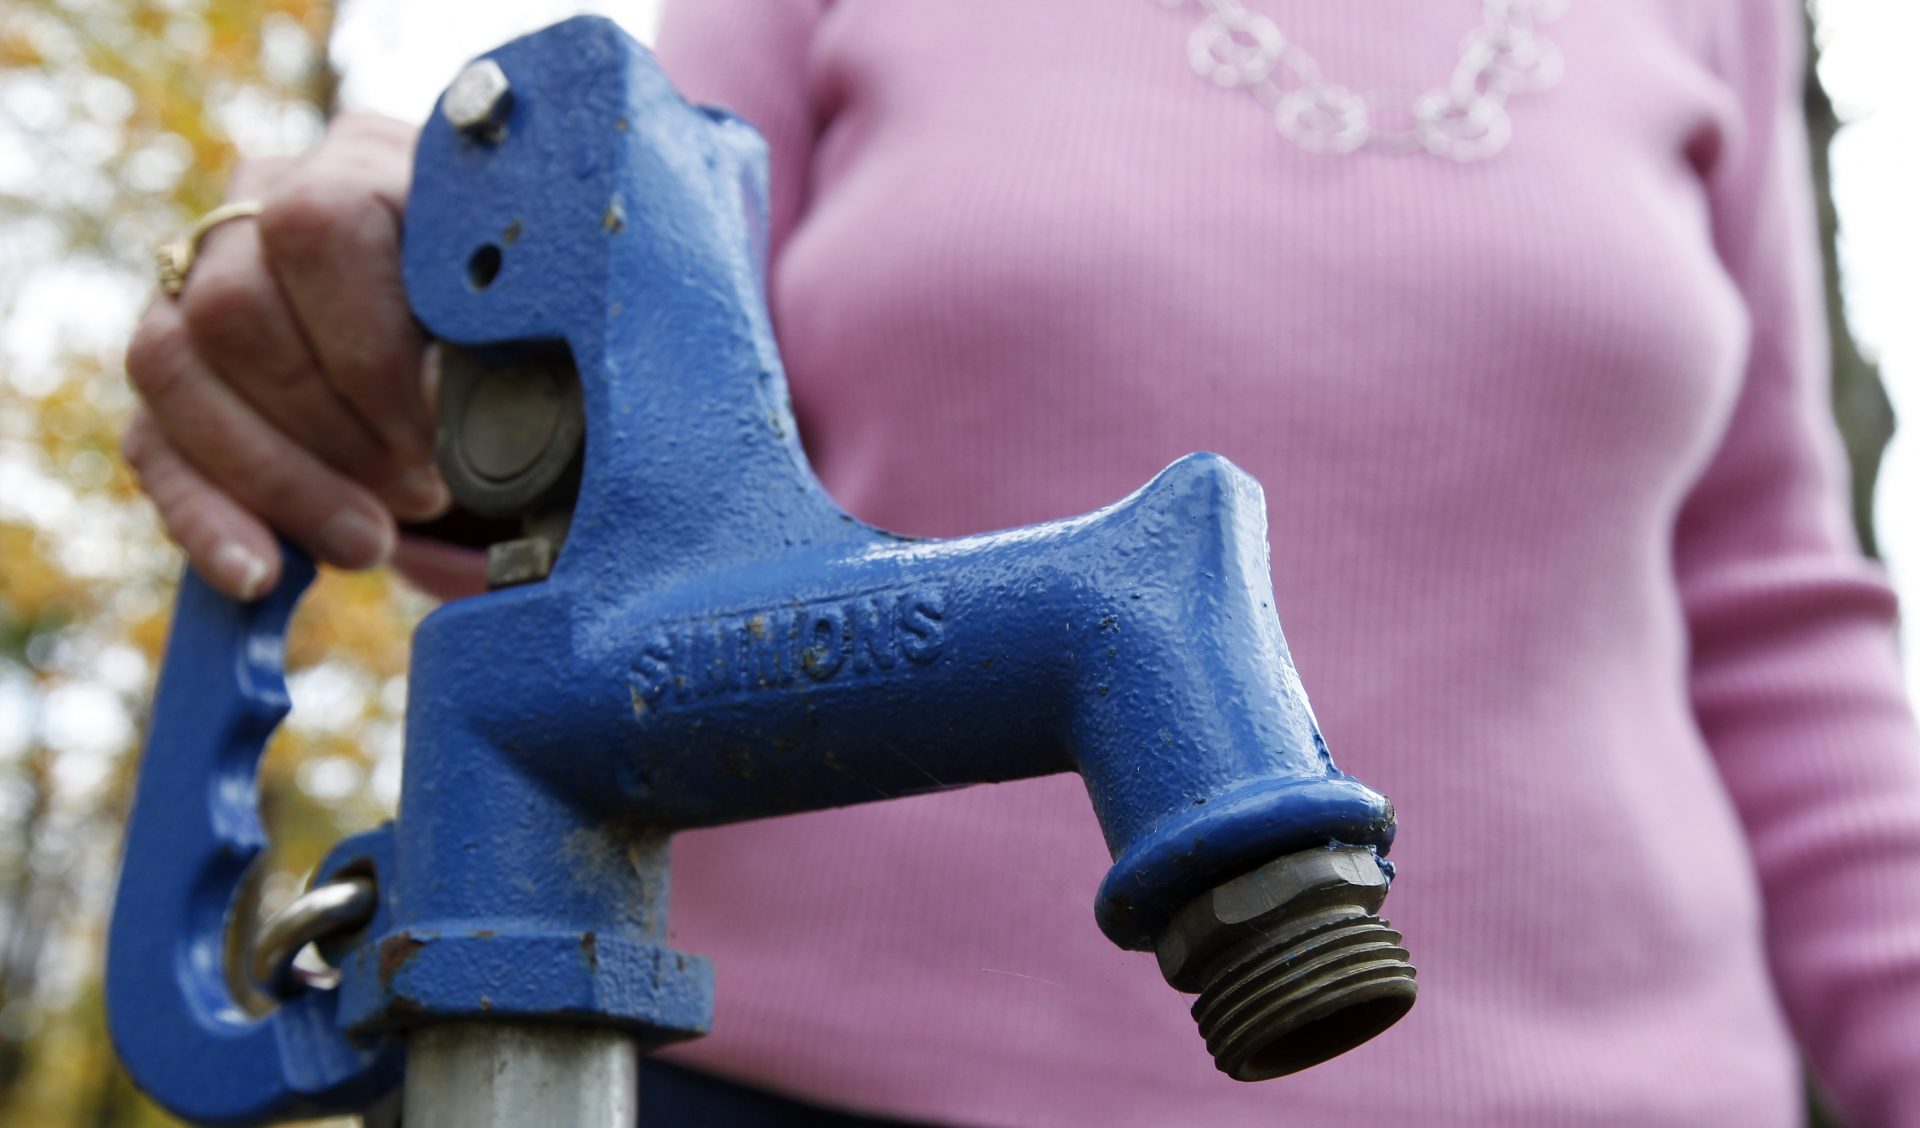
672,1097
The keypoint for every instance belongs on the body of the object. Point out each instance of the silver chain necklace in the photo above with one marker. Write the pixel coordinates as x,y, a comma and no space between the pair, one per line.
1464,120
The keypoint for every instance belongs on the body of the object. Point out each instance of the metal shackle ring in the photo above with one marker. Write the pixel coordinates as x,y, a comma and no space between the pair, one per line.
326,910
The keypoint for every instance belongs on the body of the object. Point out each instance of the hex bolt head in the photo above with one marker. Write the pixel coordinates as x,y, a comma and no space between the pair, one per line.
477,100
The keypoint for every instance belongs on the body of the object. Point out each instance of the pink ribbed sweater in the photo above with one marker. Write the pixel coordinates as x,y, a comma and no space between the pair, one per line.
1558,540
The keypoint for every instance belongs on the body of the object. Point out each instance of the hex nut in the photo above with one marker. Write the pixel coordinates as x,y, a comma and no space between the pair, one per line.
477,100
1217,921
524,561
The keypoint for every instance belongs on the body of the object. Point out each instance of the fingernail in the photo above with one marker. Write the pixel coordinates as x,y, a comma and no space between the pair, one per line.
423,493
352,539
239,569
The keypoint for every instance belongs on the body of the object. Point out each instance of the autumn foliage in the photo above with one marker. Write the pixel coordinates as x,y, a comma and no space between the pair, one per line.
119,121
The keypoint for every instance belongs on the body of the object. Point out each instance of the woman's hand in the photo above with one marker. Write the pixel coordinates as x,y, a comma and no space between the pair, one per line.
283,389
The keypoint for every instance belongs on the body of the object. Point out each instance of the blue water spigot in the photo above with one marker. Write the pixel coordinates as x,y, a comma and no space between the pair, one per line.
689,632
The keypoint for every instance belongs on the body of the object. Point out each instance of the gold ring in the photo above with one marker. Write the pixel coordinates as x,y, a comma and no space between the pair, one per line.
176,258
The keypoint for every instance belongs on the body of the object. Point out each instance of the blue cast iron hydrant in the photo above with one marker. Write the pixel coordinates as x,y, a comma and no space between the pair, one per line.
685,631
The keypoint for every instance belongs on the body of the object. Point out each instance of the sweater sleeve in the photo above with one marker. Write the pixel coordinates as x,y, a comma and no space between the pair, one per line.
1795,677
751,57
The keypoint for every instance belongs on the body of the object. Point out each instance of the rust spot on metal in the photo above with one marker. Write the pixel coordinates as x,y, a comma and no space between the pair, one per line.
486,1004
590,948
757,626
395,952
512,234
485,934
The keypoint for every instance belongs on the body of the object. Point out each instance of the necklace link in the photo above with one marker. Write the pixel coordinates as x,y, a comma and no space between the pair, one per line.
1235,48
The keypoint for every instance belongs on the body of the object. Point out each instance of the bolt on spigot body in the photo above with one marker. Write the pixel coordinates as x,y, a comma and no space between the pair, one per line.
477,101
1291,963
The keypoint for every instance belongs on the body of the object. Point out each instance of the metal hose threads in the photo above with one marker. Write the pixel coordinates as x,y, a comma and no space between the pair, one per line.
1291,963
1283,1002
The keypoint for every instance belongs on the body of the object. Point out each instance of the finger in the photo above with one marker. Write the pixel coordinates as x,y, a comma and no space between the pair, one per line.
332,236
254,177
335,518
442,570
229,547
241,323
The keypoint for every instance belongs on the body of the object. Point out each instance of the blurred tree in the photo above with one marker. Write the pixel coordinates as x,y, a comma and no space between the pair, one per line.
119,122
1860,402
1859,399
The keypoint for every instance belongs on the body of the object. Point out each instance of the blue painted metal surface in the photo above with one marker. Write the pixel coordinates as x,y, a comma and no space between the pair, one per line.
195,828
717,642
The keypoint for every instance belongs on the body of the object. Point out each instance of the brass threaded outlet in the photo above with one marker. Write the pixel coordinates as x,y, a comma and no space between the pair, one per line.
1330,981
1291,963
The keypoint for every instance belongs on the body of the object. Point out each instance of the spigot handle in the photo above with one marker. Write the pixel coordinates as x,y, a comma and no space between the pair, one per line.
195,830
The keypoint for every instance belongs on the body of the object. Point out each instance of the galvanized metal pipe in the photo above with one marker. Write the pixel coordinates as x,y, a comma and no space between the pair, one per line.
502,1075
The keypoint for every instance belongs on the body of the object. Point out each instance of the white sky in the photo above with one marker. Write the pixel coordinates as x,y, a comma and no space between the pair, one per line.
397,58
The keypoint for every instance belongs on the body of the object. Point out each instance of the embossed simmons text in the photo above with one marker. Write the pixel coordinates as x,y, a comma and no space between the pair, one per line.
867,635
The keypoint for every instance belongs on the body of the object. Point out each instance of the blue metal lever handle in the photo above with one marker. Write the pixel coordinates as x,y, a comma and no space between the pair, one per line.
195,829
